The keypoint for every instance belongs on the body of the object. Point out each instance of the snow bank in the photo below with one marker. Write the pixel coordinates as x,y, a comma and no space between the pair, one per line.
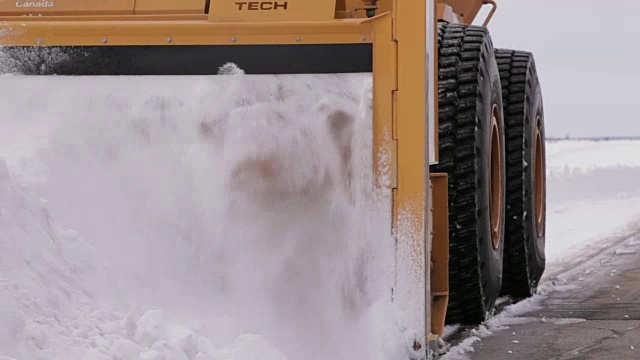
236,206
38,282
592,194
48,311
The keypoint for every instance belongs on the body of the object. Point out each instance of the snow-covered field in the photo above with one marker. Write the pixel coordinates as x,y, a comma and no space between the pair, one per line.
593,201
593,194
182,218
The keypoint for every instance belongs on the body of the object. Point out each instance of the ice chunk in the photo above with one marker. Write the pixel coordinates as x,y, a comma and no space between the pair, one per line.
96,354
625,251
481,331
150,327
185,342
125,349
128,327
152,355
567,321
465,346
230,69
169,351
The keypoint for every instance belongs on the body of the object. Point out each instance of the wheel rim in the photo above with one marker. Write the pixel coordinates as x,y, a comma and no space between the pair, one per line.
496,179
539,178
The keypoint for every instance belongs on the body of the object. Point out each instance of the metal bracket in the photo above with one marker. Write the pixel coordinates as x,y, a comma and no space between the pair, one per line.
493,11
369,7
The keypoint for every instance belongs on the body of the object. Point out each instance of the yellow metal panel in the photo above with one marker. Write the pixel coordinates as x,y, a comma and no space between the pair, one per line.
59,33
275,10
169,6
385,6
384,85
412,253
439,251
103,18
65,7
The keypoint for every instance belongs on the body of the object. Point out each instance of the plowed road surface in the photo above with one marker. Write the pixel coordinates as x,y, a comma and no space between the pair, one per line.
595,316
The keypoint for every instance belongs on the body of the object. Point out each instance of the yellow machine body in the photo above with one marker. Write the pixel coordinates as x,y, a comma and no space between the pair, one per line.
402,41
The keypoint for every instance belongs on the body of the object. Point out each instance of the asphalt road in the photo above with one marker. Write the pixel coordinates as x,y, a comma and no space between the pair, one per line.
593,314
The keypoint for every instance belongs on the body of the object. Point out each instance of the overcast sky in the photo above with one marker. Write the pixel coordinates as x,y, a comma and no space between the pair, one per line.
588,57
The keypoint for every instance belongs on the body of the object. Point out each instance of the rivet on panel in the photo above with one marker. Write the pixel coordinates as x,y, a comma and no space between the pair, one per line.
233,39
104,41
39,41
298,39
169,40
363,38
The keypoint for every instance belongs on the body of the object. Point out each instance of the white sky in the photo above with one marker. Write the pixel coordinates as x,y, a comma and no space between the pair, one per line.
588,58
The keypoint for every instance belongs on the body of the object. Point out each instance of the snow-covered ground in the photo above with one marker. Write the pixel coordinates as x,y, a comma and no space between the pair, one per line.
192,218
593,194
593,201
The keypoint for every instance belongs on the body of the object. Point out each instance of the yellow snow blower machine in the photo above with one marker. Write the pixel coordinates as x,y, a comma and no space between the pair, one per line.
462,123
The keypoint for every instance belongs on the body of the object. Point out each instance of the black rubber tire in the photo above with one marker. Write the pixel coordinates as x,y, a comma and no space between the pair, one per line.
524,251
469,87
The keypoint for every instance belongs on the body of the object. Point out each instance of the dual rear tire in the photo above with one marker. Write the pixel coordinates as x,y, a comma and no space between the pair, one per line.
526,186
480,131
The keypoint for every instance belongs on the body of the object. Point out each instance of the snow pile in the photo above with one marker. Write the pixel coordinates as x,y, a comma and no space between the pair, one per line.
236,206
152,337
38,283
47,311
